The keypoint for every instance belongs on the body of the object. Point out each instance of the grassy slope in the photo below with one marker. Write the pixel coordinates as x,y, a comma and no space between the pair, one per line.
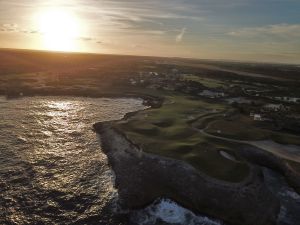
163,131
244,128
166,131
209,83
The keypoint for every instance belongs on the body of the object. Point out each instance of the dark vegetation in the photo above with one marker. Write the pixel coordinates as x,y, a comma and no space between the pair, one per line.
169,130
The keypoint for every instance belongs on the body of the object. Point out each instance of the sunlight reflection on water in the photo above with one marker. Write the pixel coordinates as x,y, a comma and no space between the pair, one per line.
52,170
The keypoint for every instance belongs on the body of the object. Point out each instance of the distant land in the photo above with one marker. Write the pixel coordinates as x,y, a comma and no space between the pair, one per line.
213,137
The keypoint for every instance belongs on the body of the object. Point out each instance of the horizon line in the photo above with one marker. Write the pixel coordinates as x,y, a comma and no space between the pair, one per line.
151,56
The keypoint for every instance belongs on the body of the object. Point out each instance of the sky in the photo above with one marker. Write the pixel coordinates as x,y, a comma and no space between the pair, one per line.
246,30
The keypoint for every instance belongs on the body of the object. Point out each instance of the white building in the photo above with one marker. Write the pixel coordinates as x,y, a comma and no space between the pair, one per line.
257,117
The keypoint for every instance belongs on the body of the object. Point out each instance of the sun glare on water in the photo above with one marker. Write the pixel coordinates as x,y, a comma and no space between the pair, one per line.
60,29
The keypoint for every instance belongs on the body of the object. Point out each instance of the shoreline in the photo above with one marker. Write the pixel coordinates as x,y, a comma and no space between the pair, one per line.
141,178
252,187
248,187
148,100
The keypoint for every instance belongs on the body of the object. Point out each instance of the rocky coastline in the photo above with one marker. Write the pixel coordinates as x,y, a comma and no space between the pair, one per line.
141,178
266,159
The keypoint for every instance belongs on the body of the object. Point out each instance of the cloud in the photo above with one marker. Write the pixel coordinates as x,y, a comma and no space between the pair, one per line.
13,27
277,30
138,17
139,10
137,46
153,32
29,31
129,17
179,37
9,27
86,38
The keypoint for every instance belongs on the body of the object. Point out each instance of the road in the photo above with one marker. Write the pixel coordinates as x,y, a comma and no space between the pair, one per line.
289,152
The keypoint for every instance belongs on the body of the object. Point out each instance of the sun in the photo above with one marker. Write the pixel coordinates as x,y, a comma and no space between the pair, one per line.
59,28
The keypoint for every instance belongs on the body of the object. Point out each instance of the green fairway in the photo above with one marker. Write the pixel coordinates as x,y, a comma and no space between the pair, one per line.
244,128
209,83
167,131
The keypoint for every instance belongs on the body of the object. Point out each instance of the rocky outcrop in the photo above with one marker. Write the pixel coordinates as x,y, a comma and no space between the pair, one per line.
141,178
266,159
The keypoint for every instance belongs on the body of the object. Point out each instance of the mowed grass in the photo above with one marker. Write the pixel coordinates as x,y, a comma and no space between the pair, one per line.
244,128
166,131
209,83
